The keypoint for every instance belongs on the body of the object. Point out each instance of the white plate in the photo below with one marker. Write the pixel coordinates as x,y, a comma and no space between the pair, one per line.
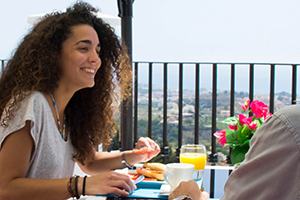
164,190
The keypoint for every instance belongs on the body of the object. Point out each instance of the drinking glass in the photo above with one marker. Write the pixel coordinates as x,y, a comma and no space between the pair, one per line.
194,154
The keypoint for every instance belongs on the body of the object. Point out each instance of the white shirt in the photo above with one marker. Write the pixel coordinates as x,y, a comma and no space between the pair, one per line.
52,156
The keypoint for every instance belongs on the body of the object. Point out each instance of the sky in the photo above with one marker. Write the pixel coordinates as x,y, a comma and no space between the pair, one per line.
260,31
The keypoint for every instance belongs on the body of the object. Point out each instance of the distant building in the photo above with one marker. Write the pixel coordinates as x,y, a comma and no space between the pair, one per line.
225,113
187,115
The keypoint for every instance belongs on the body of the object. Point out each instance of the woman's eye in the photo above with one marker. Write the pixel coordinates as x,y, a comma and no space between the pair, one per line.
83,48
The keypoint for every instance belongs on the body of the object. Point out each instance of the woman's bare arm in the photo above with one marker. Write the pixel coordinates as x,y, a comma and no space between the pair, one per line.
14,161
105,161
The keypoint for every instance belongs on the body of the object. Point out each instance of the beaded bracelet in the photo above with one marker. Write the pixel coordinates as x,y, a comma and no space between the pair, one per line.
73,188
70,188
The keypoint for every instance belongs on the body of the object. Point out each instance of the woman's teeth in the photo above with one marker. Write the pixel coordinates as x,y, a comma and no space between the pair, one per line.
90,70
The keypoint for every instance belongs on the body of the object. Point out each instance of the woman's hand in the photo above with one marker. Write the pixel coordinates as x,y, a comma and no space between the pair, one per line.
189,188
153,147
109,183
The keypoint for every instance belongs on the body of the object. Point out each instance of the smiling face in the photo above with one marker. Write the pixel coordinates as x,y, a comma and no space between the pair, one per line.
79,58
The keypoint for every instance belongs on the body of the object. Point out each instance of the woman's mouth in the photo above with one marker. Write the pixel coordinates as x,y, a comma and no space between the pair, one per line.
89,70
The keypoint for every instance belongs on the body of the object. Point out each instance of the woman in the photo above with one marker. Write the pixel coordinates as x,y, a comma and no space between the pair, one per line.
56,98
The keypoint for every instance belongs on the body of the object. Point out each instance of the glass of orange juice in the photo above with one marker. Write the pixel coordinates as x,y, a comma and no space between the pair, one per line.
194,154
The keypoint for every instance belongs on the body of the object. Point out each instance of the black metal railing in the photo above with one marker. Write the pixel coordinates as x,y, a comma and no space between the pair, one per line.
2,64
212,157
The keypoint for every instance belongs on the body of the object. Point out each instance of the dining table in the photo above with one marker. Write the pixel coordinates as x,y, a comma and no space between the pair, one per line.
119,198
145,191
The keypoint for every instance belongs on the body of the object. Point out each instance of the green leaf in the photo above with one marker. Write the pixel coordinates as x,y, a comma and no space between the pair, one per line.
240,126
246,144
231,138
230,120
242,134
238,153
257,121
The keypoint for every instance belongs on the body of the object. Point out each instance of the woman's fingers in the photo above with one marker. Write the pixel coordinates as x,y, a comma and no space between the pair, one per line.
110,183
153,147
123,181
116,191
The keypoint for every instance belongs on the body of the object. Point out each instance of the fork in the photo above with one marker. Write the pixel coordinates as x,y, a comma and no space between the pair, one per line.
139,179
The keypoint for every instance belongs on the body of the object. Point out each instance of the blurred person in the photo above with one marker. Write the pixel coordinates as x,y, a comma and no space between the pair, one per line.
271,168
57,97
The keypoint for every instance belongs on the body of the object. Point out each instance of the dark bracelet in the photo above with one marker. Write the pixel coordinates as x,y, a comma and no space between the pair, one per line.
83,186
70,188
76,187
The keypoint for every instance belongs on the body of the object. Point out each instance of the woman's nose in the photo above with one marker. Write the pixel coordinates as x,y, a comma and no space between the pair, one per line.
95,58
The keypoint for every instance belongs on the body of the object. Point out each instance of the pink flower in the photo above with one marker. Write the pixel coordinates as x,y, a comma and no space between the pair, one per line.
233,127
259,109
244,120
245,105
222,137
252,126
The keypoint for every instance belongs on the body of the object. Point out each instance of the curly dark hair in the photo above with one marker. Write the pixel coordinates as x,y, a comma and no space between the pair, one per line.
34,66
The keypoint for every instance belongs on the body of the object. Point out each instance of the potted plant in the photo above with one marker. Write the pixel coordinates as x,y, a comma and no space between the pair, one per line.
241,129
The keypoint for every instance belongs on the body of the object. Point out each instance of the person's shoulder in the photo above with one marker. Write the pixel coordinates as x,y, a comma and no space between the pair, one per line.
36,96
289,111
289,115
34,99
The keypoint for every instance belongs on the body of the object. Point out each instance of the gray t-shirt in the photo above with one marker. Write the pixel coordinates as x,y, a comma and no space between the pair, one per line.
271,169
52,156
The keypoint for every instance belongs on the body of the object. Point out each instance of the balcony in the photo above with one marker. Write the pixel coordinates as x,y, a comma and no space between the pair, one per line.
208,107
169,111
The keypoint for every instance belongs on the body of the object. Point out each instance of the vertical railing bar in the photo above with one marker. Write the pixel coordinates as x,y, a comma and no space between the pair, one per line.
251,84
165,109
232,89
294,84
180,98
135,125
213,123
2,66
232,97
272,88
150,101
197,95
214,108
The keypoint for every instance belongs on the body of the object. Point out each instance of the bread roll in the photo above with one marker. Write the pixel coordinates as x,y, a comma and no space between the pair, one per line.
155,166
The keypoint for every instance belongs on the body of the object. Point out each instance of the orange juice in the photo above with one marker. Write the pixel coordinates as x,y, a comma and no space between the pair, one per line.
197,159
